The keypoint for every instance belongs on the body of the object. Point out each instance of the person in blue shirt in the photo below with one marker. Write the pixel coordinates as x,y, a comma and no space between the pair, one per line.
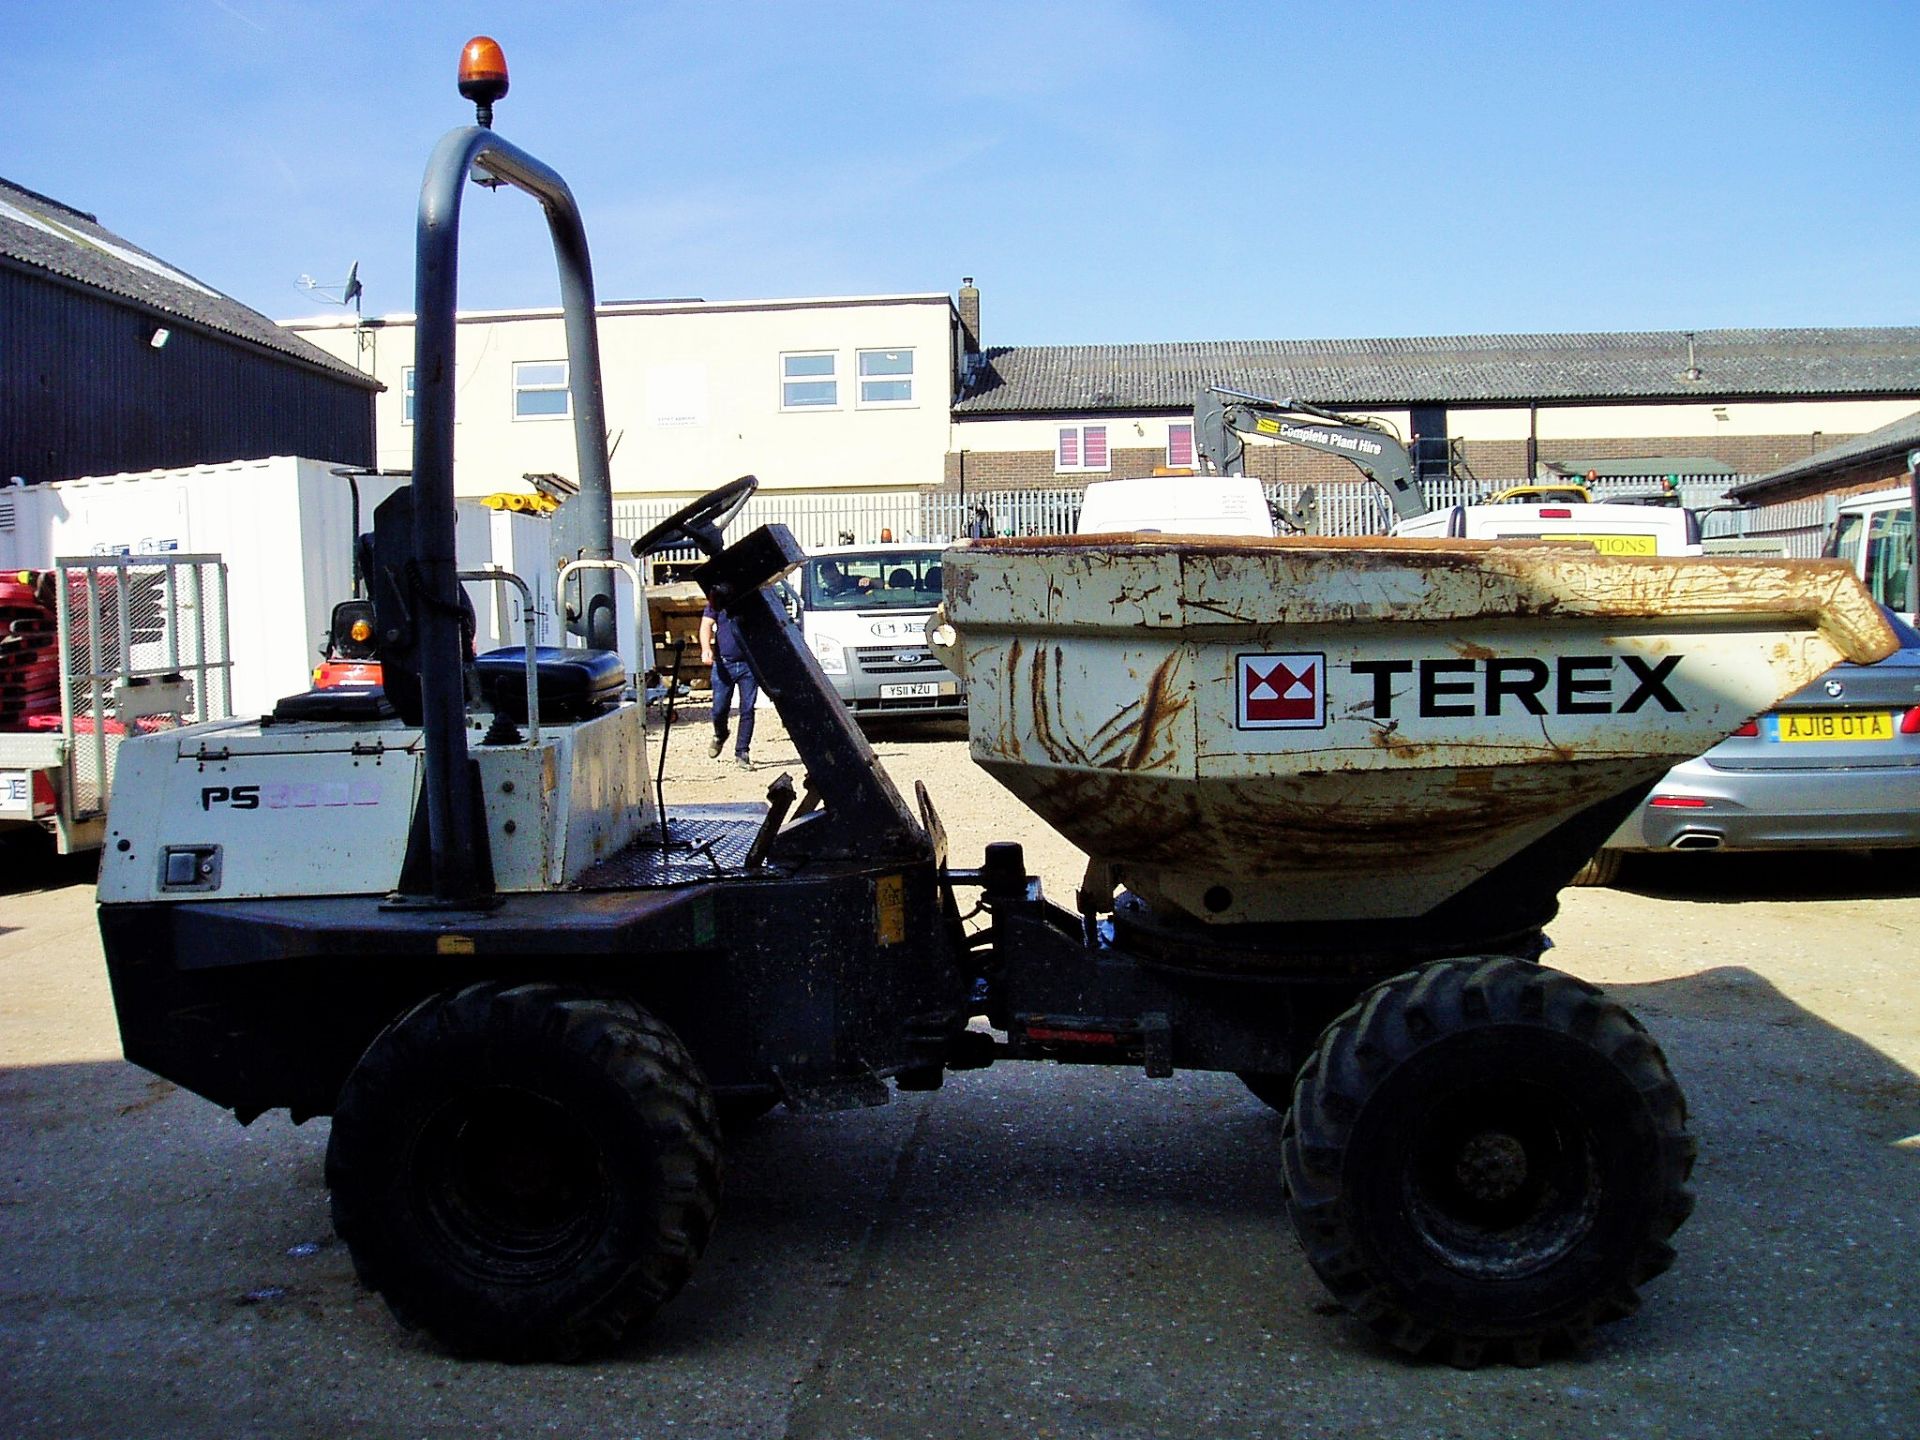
720,648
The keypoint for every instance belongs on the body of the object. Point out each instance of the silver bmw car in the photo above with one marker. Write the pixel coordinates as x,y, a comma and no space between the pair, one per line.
1836,765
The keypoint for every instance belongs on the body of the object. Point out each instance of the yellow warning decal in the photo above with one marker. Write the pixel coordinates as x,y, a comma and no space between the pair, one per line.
453,945
1264,426
890,909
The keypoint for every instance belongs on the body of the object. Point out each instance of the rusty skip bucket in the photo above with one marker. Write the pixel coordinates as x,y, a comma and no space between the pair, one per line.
1324,729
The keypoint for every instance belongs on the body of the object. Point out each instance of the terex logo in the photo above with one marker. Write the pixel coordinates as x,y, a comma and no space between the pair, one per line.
1282,692
1570,685
239,797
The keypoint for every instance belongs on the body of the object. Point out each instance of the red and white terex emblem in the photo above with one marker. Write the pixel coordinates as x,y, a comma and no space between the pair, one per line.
1282,692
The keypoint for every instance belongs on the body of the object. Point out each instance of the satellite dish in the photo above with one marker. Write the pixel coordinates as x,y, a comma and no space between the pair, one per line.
354,288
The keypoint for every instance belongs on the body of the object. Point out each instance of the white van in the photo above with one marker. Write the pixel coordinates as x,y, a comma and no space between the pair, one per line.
1611,527
1874,534
863,610
1176,505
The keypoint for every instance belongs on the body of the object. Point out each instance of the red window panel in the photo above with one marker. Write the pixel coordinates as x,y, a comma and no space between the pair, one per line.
1069,448
1094,447
1180,447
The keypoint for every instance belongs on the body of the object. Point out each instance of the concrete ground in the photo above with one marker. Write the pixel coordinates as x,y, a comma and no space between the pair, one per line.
1031,1251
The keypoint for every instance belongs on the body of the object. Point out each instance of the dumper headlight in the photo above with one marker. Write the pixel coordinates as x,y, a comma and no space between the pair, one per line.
831,654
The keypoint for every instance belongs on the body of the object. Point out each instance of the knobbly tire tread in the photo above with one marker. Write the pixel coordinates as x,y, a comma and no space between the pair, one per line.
1354,1065
1602,869
607,1058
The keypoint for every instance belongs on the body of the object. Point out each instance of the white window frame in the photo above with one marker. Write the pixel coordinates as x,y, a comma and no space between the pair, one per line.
1192,462
1079,465
860,378
832,377
564,388
407,394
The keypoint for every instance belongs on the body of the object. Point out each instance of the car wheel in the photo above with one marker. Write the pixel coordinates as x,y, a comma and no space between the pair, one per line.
524,1172
1486,1157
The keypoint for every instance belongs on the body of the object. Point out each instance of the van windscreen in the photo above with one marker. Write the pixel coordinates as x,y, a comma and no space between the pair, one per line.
880,579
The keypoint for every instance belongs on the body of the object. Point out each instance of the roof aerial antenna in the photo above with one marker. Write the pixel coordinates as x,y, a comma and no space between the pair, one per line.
350,289
350,292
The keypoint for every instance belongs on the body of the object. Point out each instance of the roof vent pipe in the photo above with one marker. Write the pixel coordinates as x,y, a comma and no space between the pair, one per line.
1693,374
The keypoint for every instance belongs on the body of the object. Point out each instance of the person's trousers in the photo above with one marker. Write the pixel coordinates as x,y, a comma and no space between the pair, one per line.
728,676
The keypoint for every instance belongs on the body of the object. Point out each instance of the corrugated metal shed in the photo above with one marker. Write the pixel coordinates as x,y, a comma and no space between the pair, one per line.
84,390
1452,370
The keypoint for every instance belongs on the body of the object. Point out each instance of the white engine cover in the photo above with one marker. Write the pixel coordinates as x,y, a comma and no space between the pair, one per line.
241,809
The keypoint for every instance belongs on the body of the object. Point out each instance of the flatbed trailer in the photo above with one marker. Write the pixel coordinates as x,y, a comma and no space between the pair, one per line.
137,644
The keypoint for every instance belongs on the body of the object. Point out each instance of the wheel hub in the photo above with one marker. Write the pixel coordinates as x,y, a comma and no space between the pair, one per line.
513,1182
1505,1185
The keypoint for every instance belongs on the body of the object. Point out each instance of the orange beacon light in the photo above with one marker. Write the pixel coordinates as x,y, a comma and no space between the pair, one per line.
483,75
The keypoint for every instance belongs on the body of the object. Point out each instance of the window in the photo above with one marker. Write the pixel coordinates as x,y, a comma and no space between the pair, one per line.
1847,539
406,396
807,381
1180,446
1889,548
1080,447
886,377
540,390
903,578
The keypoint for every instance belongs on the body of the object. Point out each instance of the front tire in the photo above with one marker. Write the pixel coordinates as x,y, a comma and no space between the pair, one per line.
1486,1157
525,1172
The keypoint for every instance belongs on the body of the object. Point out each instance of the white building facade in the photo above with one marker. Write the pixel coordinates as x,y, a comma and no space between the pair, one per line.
825,395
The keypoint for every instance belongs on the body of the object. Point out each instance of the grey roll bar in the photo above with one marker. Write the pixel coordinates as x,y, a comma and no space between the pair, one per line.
584,526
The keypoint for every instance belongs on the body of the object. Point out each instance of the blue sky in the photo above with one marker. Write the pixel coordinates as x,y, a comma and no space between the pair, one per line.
1108,172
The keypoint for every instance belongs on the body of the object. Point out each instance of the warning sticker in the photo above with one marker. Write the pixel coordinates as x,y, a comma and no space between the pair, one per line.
1282,692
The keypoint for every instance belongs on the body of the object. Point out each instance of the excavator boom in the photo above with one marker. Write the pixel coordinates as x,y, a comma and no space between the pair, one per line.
1222,416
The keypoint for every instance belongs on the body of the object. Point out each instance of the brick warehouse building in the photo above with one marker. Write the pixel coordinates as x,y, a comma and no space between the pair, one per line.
1504,407
1874,461
699,391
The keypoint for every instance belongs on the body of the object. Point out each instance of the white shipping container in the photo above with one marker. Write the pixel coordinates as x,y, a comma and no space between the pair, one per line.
284,526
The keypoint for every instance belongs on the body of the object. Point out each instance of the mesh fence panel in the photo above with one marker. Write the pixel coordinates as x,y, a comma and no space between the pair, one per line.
1359,507
143,648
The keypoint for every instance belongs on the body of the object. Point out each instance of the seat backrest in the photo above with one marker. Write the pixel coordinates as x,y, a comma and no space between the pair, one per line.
900,579
931,580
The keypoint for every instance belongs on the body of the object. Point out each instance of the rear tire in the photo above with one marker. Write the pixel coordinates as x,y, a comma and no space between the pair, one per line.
1484,1158
525,1172
1602,869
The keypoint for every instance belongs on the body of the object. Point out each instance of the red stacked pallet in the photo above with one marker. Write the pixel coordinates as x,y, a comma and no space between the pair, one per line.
29,650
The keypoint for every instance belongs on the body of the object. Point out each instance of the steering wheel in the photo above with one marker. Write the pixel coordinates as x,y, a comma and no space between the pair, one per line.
700,523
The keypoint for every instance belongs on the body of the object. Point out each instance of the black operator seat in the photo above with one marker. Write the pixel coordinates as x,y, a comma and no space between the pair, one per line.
573,684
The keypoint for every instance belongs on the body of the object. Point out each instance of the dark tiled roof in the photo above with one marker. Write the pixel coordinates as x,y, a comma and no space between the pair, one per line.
59,240
1889,440
1447,370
